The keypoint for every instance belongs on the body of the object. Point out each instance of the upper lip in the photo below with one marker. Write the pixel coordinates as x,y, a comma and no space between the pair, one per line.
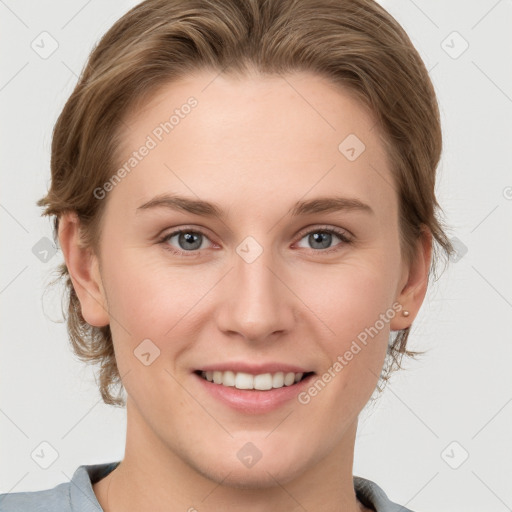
254,369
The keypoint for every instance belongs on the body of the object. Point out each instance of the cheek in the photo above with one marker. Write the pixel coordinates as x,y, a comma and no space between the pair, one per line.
356,310
355,307
349,297
140,292
149,300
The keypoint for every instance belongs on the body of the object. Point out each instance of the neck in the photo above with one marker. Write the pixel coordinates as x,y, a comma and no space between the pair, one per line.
152,477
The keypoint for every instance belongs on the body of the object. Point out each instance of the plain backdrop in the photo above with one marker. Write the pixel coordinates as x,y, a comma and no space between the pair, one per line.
439,437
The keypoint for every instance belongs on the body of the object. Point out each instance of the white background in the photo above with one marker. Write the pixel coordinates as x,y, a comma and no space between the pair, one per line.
460,391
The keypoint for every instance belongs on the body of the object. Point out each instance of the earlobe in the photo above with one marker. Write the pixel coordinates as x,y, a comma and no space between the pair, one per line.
83,269
413,292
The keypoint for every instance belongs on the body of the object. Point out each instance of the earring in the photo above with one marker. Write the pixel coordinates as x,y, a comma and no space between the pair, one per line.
405,313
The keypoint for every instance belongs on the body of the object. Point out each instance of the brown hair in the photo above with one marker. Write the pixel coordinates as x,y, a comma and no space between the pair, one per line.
354,43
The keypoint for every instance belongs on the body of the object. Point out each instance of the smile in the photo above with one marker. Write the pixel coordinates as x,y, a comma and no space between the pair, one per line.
247,381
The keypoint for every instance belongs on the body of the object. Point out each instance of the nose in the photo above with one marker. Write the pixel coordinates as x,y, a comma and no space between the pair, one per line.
257,303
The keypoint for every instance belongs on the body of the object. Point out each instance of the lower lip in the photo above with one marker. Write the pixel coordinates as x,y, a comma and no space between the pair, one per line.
253,401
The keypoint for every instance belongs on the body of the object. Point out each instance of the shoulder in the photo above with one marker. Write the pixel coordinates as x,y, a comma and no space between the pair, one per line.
77,495
371,495
57,498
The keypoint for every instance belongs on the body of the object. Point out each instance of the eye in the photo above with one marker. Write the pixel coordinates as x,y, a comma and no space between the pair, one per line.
188,240
321,238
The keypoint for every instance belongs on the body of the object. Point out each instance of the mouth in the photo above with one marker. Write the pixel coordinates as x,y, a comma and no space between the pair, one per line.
249,382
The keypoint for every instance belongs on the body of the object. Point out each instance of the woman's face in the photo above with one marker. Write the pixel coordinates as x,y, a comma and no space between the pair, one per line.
265,286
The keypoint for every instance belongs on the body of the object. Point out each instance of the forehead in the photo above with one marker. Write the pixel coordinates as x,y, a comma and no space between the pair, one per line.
213,136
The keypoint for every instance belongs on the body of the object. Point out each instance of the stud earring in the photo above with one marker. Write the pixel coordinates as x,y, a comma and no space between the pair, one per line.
405,313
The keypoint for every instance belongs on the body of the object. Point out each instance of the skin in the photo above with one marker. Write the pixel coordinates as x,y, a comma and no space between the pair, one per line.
254,146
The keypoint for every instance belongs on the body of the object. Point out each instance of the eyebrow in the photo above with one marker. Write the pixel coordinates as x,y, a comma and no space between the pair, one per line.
208,209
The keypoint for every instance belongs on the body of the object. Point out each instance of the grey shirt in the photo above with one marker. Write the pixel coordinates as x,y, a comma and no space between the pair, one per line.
78,495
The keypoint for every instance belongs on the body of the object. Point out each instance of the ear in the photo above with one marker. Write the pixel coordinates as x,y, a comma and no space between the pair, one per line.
414,282
83,268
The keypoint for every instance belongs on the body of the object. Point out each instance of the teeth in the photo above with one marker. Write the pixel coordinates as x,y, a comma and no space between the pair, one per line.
278,380
263,382
241,380
228,379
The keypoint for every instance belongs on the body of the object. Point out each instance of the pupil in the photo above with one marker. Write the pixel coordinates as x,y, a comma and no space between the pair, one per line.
189,238
321,236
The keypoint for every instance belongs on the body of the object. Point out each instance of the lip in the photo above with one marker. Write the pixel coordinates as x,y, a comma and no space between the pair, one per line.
253,401
253,369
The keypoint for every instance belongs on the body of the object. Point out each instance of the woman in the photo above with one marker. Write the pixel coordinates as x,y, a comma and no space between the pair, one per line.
243,192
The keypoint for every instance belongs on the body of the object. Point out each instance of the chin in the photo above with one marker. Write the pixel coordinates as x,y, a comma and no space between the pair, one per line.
262,478
263,474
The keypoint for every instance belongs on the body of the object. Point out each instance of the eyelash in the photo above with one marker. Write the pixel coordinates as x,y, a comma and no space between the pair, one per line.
341,234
